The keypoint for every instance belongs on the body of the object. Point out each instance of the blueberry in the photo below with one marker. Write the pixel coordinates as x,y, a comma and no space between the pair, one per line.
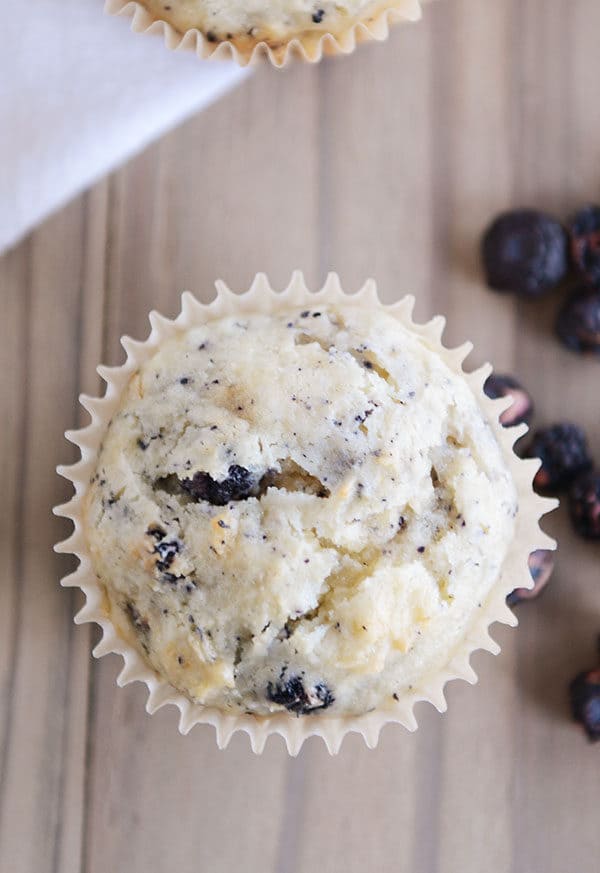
291,693
239,485
564,454
166,550
584,228
525,251
578,321
541,566
584,505
584,692
521,409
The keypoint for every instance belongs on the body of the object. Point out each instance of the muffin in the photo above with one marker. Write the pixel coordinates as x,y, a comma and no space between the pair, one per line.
299,510
272,25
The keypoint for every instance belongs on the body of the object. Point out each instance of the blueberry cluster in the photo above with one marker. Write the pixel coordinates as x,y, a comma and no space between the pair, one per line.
563,450
568,466
528,253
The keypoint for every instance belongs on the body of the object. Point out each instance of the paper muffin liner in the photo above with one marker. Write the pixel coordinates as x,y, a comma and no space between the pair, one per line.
310,45
294,730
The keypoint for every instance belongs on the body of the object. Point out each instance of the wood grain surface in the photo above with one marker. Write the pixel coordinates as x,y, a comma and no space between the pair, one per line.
386,164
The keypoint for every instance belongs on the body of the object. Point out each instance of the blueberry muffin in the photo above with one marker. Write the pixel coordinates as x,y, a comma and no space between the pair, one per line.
246,23
298,512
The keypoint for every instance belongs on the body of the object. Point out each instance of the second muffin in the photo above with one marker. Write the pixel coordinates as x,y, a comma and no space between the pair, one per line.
271,25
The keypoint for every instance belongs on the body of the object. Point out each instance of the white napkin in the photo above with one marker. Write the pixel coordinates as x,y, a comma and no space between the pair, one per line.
80,93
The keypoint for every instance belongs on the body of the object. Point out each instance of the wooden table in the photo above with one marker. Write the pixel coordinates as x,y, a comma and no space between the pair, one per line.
389,164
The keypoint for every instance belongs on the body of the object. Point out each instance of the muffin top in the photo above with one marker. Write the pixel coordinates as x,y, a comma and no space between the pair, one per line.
270,20
299,511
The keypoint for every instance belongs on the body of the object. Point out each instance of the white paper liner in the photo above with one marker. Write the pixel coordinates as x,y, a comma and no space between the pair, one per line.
309,46
515,573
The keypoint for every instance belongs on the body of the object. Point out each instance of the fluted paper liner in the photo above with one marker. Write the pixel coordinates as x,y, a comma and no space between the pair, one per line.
515,572
310,45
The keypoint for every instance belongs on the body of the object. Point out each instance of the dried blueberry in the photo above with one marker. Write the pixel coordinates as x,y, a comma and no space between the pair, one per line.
521,409
166,551
584,505
525,251
564,454
584,692
291,693
317,17
239,485
324,695
584,228
578,321
541,565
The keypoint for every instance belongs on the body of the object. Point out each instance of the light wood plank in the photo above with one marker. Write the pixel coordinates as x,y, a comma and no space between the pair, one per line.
473,158
558,774
14,327
46,364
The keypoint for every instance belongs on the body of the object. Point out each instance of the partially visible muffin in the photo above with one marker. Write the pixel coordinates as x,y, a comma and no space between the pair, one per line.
246,23
298,512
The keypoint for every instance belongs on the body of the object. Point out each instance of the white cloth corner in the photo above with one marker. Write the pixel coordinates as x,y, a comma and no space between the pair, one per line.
80,93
